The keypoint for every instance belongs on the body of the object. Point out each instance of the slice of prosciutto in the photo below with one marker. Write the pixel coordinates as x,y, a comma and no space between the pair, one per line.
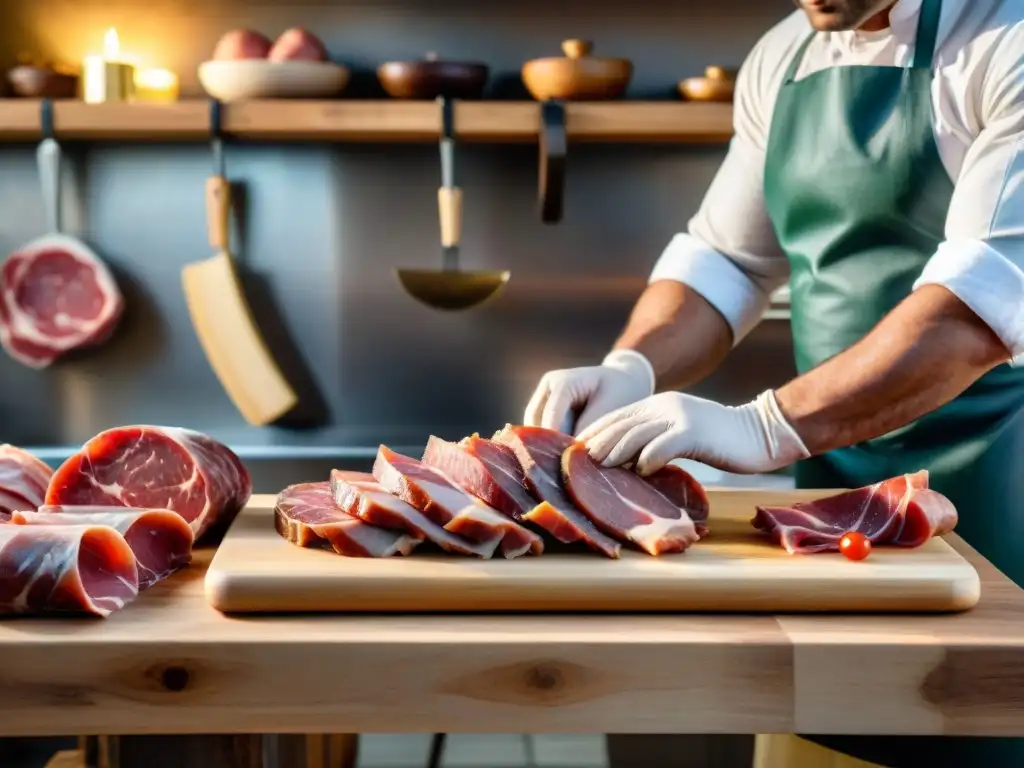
306,514
65,569
440,499
901,511
23,480
624,505
539,453
159,538
156,468
358,494
682,489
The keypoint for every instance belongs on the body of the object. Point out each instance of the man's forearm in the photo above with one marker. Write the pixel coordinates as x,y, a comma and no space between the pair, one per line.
683,336
923,354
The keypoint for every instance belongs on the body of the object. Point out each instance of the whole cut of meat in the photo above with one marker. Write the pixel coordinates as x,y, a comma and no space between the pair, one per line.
156,468
539,454
682,489
901,511
440,499
623,504
65,569
159,538
55,297
307,515
23,480
358,494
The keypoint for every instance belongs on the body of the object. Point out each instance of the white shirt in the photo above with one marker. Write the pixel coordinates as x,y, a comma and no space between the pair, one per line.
730,254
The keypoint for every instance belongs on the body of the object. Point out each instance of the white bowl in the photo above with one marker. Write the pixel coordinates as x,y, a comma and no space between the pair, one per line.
262,79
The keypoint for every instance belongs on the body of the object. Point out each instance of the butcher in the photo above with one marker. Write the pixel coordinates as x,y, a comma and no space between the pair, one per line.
877,164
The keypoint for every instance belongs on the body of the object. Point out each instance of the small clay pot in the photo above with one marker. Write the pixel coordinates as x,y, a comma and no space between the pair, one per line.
433,77
35,82
577,76
718,84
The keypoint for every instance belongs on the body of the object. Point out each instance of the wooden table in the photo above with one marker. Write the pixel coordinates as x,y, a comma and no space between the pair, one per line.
170,664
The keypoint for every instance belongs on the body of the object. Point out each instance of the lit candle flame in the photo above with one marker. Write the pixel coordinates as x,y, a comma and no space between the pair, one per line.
111,45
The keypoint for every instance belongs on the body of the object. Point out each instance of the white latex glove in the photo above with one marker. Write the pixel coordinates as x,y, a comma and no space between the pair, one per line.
744,439
623,377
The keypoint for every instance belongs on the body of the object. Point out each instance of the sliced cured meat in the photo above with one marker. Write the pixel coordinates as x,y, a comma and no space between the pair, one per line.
486,469
23,480
55,296
160,539
682,489
358,494
65,569
539,453
441,500
307,515
901,511
156,468
621,503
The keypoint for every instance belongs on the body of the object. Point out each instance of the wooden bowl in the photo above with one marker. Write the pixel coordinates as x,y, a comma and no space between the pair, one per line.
433,77
577,76
35,82
718,84
262,79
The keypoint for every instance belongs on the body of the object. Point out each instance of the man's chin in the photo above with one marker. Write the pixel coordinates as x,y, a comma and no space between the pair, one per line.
828,22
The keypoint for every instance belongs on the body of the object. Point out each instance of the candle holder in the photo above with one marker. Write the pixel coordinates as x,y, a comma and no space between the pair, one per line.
104,80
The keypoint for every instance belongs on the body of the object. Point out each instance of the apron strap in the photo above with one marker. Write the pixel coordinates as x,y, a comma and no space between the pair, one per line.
798,57
927,33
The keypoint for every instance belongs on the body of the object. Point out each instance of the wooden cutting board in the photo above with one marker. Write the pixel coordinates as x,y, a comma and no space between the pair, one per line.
734,569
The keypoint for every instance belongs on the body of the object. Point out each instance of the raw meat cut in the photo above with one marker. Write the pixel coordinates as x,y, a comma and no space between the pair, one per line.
23,480
156,468
307,515
160,539
358,494
486,469
901,511
55,297
682,489
621,503
441,500
65,569
539,453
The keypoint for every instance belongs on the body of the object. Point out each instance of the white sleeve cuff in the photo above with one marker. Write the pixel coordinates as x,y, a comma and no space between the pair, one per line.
987,282
714,276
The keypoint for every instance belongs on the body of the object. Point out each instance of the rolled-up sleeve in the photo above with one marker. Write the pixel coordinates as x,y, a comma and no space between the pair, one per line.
730,254
981,260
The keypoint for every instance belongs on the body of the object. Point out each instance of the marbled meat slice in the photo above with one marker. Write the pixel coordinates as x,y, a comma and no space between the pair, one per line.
682,489
901,511
156,468
160,539
624,505
307,515
65,569
358,494
444,502
486,469
539,453
23,480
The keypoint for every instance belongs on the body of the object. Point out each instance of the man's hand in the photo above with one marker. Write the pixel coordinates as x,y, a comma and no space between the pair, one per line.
624,377
746,439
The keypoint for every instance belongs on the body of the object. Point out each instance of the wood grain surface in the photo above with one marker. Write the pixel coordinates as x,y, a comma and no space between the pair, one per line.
170,663
735,569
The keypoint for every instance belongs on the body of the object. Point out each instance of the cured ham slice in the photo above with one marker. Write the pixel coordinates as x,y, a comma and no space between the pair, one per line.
435,495
159,538
901,511
358,494
23,480
156,468
682,489
307,515
539,453
623,504
65,569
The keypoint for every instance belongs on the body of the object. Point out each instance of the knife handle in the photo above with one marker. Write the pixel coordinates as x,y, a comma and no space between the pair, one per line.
449,206
218,211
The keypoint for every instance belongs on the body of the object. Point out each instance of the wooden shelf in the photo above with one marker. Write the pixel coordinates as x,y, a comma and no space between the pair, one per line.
381,120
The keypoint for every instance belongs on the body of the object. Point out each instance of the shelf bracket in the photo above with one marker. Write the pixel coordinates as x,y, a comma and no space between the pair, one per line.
553,144
46,118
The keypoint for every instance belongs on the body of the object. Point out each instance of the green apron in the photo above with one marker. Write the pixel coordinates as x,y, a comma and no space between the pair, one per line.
857,194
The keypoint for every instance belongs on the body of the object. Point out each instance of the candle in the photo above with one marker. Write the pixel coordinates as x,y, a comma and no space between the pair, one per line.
106,77
160,85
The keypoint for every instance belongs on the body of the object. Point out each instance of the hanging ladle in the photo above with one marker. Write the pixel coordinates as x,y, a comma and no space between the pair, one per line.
450,288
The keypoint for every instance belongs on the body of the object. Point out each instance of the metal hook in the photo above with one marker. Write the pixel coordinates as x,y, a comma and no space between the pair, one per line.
46,118
217,136
553,144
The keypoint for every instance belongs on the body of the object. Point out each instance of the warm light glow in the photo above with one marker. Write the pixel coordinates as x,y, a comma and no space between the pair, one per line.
156,85
111,45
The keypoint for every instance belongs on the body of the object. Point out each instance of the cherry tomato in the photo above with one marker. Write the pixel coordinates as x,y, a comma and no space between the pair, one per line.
855,546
